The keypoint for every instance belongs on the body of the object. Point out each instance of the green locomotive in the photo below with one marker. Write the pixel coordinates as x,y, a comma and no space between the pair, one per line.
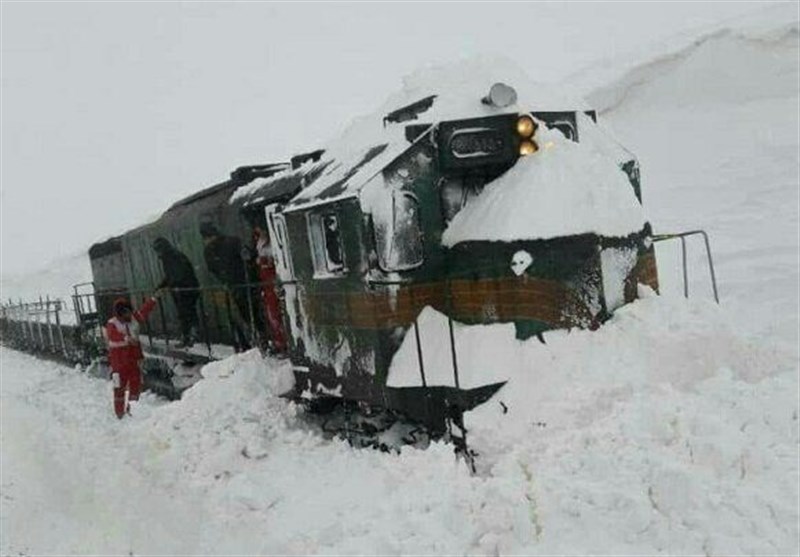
476,207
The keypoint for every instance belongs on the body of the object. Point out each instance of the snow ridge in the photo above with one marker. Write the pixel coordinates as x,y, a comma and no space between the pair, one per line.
608,84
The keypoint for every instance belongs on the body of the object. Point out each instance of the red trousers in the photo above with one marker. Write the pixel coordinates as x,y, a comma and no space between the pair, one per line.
130,379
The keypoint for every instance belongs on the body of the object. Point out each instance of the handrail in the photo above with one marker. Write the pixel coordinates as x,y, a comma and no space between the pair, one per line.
682,236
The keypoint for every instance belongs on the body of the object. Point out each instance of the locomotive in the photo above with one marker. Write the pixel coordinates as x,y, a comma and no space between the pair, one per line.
474,203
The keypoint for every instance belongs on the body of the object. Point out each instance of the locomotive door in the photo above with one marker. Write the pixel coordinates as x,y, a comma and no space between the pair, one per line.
272,264
280,247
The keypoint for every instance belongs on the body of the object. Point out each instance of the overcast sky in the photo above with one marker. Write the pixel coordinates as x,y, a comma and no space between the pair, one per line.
110,112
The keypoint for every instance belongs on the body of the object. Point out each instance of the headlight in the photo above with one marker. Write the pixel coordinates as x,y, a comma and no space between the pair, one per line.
526,127
527,147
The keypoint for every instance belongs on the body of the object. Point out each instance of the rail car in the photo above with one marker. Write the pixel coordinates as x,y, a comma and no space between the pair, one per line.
403,213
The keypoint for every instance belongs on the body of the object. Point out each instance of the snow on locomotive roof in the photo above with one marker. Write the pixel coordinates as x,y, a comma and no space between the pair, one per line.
564,189
369,143
276,186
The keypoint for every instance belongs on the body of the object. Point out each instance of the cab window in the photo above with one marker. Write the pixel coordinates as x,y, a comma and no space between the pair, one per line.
326,244
398,235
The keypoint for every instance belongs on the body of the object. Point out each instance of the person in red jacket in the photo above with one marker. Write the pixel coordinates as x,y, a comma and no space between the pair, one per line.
124,351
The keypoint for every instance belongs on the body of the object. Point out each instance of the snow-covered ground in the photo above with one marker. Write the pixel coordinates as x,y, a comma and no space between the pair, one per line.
665,431
671,430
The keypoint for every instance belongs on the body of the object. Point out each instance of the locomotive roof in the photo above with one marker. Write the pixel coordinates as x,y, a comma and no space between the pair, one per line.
240,176
371,142
106,247
279,186
207,192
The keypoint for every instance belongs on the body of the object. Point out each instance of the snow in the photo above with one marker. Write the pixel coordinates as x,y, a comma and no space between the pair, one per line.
662,439
459,88
56,281
728,166
563,189
732,76
671,430
616,265
481,351
246,193
666,431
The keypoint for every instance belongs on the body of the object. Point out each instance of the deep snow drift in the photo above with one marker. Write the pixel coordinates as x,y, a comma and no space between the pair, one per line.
673,429
665,431
713,120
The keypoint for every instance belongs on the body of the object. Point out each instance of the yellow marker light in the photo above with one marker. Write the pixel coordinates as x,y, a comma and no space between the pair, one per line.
526,127
527,147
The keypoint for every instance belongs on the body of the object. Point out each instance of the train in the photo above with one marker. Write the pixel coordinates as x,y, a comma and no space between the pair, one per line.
330,258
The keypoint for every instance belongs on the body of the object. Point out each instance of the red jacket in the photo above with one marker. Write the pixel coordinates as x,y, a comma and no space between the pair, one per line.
124,350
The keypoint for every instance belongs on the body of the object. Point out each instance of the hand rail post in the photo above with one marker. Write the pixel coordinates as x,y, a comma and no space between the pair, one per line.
420,359
60,331
711,266
40,324
449,295
29,323
76,300
18,312
682,236
163,324
232,327
685,268
149,330
50,326
217,316
204,320
253,334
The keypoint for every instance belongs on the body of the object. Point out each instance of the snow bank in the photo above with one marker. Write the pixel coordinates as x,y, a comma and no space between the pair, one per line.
665,431
715,131
565,188
658,433
230,413
722,70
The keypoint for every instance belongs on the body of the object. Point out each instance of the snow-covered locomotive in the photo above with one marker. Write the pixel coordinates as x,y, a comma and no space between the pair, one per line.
462,202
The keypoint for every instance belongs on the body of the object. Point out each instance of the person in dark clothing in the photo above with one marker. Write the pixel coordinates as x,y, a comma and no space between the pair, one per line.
234,268
180,278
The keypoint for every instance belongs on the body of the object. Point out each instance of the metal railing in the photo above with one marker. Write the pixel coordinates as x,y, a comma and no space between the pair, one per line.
37,326
218,315
682,237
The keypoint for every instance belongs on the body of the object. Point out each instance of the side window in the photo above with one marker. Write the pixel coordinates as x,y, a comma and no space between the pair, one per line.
398,236
326,244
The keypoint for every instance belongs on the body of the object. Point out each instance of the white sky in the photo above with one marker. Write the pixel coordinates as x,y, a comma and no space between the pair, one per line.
110,112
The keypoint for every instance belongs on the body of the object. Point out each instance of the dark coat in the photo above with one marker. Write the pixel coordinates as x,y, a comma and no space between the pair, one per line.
178,269
223,255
